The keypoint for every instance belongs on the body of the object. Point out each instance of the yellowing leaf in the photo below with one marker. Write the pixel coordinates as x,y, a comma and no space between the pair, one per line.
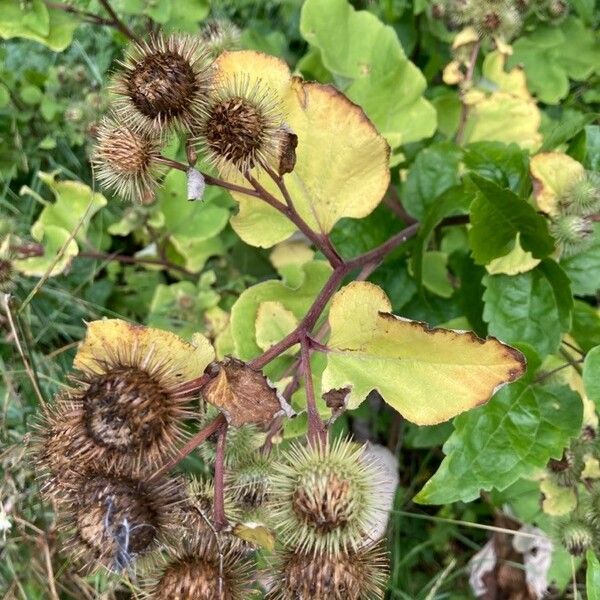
74,202
256,533
516,261
509,113
428,375
109,337
341,160
273,322
502,117
557,500
59,249
553,173
288,258
513,81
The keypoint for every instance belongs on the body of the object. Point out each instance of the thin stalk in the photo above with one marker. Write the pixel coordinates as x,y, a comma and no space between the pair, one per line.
464,112
219,501
208,179
215,425
320,240
117,23
133,260
317,434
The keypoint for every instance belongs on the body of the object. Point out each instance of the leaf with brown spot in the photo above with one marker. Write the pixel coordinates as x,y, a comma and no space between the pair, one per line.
243,395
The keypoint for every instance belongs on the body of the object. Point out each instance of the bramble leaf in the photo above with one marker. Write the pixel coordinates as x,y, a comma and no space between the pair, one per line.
532,307
428,375
497,216
517,432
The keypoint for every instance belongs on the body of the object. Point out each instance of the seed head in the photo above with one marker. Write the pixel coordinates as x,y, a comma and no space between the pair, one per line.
567,471
576,536
242,128
220,35
197,510
199,572
496,19
164,84
123,412
250,482
583,197
125,161
572,233
113,518
325,499
359,575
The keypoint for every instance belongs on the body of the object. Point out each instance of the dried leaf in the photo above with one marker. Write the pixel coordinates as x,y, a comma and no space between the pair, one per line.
244,395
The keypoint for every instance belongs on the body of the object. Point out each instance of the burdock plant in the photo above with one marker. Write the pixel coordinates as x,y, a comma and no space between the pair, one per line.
164,84
325,497
296,155
126,160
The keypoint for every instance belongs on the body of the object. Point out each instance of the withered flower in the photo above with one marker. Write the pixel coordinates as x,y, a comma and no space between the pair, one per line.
359,575
242,128
125,161
164,84
124,412
111,519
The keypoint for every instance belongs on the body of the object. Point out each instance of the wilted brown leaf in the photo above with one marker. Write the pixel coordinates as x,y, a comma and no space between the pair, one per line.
243,395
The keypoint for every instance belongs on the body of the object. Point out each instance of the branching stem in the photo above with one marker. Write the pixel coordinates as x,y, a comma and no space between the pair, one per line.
215,425
317,434
219,501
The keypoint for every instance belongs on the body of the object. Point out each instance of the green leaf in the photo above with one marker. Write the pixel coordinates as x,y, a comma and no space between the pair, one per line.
428,375
551,55
592,577
296,299
530,307
51,27
75,205
591,375
583,268
454,201
497,215
434,171
505,164
192,227
368,54
59,250
567,128
586,326
515,434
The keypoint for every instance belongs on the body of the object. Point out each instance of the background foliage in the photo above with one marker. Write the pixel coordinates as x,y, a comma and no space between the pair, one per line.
482,155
